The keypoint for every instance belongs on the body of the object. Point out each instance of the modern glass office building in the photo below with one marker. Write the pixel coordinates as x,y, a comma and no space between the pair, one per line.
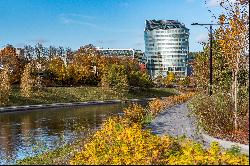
166,47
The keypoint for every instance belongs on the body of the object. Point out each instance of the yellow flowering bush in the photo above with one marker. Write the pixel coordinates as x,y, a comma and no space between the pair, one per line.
192,153
118,144
158,105
122,144
155,106
134,113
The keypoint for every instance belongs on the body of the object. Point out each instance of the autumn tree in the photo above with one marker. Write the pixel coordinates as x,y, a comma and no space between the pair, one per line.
27,81
58,69
169,80
82,66
234,40
221,69
5,86
9,57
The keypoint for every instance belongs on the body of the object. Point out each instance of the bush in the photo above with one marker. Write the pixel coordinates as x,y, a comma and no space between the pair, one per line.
4,86
140,79
158,105
170,79
214,113
120,144
155,106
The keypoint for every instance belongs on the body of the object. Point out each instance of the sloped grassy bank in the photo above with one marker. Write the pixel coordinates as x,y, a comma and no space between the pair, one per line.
50,95
124,140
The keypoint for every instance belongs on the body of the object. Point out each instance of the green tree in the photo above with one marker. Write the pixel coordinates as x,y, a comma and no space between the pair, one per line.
117,78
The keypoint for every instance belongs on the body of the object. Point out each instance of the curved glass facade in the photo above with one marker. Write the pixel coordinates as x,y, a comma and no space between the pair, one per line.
166,47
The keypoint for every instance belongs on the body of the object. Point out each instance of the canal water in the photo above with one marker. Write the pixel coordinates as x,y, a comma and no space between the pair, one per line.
27,133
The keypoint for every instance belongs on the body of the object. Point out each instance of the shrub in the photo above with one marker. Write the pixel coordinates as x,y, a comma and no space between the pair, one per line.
135,113
158,105
155,106
170,79
192,153
140,79
214,113
4,86
120,144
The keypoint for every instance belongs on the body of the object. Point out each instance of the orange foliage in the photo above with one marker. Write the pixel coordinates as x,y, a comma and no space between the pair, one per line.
8,56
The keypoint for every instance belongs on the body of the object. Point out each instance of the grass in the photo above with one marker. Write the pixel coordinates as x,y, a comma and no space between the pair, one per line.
81,94
58,156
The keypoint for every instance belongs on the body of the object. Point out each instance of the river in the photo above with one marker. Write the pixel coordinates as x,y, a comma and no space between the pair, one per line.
27,133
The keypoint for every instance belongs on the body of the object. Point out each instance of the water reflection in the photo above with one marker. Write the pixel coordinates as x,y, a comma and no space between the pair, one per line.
27,133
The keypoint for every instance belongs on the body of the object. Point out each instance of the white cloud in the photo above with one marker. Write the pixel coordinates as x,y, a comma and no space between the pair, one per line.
74,18
203,37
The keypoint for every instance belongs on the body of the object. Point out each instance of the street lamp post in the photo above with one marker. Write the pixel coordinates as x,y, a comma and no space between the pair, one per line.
210,55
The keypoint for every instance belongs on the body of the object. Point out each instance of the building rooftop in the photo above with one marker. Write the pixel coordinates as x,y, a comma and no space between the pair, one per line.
163,24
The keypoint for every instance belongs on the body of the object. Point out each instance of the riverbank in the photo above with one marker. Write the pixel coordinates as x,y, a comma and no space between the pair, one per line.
65,105
124,141
51,95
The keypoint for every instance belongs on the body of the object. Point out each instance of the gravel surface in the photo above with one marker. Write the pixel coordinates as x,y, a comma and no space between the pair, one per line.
176,121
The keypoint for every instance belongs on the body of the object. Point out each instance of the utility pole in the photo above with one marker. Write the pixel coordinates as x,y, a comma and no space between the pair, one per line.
210,55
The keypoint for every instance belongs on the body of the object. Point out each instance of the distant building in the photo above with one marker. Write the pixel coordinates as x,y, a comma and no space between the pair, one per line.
166,47
117,52
190,60
140,56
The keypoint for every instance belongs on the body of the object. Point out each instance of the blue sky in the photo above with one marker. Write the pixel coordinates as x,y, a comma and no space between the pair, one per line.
104,23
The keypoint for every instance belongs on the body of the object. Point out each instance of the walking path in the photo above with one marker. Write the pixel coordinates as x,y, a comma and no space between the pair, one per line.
176,121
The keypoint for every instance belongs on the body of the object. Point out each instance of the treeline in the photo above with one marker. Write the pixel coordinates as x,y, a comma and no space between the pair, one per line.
65,67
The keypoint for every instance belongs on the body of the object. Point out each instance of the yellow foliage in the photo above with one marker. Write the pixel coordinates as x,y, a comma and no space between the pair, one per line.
121,144
4,86
158,105
123,141
27,82
134,113
155,106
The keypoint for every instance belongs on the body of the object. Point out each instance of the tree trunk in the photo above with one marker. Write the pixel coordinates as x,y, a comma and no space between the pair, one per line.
235,92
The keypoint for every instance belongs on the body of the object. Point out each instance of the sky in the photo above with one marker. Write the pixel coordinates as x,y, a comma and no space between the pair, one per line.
103,23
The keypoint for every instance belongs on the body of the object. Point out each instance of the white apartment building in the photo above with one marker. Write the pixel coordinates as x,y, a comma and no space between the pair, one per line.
166,47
